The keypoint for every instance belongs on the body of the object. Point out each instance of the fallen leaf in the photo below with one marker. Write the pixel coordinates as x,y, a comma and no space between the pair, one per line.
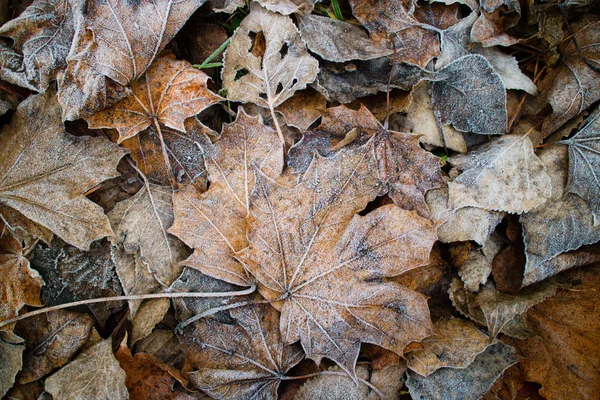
455,343
287,7
163,345
169,92
564,223
94,374
140,224
47,171
20,284
327,244
337,387
10,96
51,341
478,267
148,378
18,223
41,38
508,68
502,175
218,233
584,164
226,6
490,29
242,360
573,86
461,224
351,43
470,95
115,42
455,41
273,77
303,109
467,383
11,361
147,316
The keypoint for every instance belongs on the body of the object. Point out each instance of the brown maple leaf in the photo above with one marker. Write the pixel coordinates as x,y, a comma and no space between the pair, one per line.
316,260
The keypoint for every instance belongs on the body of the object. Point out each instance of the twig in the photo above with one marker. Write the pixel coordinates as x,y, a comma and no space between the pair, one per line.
215,310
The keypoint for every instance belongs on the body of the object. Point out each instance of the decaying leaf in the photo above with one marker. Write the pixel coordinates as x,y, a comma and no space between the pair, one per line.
563,355
140,224
462,224
115,42
470,95
455,343
51,341
564,223
11,361
351,43
213,223
469,383
42,37
584,164
319,274
502,175
241,360
20,284
168,93
478,267
574,86
45,172
273,77
94,374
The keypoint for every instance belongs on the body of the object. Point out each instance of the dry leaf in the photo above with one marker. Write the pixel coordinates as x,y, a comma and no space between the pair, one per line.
51,341
507,67
490,30
478,267
351,42
47,171
462,224
287,7
168,93
314,262
11,361
455,41
337,387
503,175
270,78
41,39
573,86
147,378
140,224
213,223
469,383
226,6
584,164
303,109
19,224
163,345
115,42
470,95
94,374
455,343
20,284
241,360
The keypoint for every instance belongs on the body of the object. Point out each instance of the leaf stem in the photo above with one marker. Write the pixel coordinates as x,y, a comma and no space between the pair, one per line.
336,373
169,295
215,310
277,127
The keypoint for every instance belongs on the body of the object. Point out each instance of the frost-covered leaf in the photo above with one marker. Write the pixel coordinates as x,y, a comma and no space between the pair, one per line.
335,384
287,7
94,374
115,42
315,258
455,41
168,93
478,267
303,109
469,383
41,37
470,95
584,164
45,172
351,43
507,67
245,359
213,223
502,175
140,224
271,78
11,360
455,343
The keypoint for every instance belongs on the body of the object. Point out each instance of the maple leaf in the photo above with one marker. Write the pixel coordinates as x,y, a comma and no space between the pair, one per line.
168,93
51,341
584,164
455,343
242,360
213,223
271,78
573,86
42,37
45,172
315,259
20,284
115,42
94,374
303,109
